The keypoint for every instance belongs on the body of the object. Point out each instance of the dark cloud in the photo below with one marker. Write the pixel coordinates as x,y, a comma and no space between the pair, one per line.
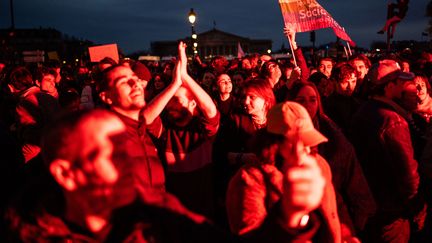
133,24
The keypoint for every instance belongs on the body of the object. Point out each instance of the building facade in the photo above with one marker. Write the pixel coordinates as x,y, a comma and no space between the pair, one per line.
15,44
214,43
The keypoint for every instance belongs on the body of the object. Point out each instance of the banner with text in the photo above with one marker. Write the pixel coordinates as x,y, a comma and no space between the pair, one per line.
308,15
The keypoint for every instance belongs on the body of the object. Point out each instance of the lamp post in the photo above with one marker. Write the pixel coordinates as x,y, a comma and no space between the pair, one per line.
12,16
192,19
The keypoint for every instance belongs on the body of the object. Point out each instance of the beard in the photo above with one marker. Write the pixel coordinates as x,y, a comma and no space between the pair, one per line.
103,196
346,93
179,116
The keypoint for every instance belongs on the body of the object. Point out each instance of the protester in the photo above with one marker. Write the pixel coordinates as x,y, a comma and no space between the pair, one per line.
167,138
224,99
417,125
227,104
219,65
354,198
257,99
156,85
325,66
46,79
382,140
405,66
424,107
11,87
34,110
76,200
341,105
238,79
233,144
271,72
208,81
123,91
285,158
190,124
325,85
301,70
395,13
361,63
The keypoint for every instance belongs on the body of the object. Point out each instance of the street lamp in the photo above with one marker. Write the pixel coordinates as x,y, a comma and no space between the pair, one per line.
192,16
192,19
12,15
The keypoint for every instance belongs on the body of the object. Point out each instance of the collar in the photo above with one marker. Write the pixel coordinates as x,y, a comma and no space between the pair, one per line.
396,107
127,120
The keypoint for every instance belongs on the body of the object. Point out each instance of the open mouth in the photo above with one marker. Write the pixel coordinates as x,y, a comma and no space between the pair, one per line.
248,109
136,94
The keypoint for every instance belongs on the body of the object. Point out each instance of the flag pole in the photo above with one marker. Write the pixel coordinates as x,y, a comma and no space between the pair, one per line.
349,48
346,53
292,51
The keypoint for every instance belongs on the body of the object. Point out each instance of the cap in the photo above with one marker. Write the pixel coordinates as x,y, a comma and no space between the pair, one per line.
141,71
289,117
387,70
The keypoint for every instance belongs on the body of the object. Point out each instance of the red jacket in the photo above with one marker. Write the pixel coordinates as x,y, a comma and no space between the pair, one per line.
256,188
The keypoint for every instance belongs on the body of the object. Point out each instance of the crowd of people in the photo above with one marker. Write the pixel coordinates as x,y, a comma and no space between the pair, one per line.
245,150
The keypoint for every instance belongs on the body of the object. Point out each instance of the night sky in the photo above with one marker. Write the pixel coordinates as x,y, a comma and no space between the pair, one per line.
133,24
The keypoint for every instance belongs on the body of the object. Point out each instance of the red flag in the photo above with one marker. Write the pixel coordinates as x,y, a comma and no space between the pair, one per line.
240,52
308,15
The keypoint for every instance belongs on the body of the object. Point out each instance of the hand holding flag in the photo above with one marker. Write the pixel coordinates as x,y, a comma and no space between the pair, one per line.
308,15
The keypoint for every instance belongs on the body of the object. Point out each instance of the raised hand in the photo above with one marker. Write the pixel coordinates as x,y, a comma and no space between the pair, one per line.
177,74
303,187
295,75
182,56
290,32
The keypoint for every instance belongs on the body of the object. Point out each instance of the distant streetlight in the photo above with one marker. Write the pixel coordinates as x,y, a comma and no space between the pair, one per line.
192,19
192,16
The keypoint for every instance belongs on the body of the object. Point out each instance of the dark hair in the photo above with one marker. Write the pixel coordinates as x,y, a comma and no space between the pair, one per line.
324,85
53,64
342,71
241,73
105,81
317,77
265,69
287,65
298,86
219,61
379,89
60,140
20,78
44,71
69,99
326,59
108,60
361,57
424,78
162,78
266,145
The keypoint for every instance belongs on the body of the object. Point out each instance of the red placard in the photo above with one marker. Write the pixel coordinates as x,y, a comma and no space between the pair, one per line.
98,53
